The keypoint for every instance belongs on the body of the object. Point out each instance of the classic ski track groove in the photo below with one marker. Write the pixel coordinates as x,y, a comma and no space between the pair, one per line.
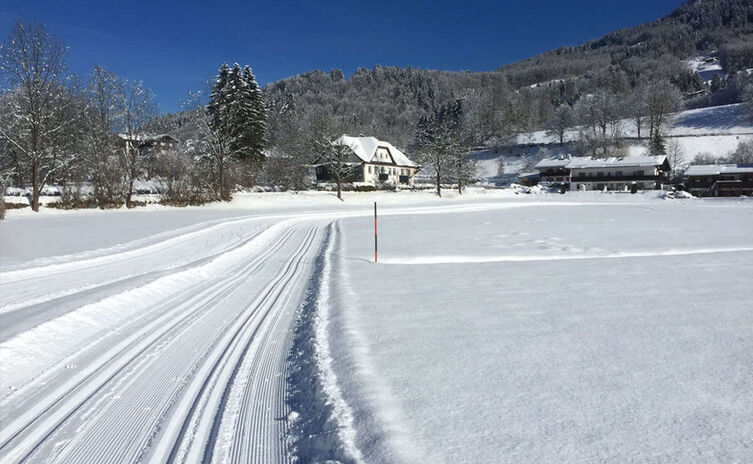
242,343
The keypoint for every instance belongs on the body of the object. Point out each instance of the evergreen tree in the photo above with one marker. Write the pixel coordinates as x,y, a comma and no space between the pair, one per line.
257,123
716,83
238,115
218,103
657,146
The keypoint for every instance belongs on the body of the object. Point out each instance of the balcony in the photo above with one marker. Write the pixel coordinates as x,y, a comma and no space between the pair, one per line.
617,178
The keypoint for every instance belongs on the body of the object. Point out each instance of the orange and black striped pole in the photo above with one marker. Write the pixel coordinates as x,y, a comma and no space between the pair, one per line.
375,233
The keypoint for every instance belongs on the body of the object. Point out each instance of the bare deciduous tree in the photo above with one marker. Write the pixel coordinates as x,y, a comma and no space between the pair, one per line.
662,99
100,148
134,109
439,142
559,122
336,158
676,158
34,61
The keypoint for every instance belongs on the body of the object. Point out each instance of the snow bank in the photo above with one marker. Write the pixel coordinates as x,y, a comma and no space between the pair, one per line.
320,422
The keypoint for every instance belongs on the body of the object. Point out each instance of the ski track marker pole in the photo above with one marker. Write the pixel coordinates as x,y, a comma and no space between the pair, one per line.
375,232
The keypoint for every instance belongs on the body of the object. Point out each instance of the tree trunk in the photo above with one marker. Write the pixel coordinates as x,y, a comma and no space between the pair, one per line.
439,185
221,178
131,180
35,186
460,177
130,193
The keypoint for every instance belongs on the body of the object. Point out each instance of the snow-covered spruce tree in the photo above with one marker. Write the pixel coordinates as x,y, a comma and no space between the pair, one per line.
215,131
256,124
657,146
238,115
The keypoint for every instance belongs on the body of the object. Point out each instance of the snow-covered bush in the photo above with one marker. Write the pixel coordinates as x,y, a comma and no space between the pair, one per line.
74,197
676,195
180,181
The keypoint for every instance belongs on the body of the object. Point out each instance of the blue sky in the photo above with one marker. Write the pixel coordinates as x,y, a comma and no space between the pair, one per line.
176,46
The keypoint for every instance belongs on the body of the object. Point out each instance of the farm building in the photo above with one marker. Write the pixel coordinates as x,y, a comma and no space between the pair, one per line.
720,180
554,170
645,172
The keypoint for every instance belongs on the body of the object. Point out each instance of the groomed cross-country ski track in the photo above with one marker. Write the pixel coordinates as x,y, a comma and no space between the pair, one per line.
167,349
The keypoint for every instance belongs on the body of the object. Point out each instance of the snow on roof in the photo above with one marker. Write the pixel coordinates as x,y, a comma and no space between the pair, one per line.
528,174
148,138
560,162
584,162
716,169
365,148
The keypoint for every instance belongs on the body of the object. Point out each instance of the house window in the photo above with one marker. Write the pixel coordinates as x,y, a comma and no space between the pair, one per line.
618,173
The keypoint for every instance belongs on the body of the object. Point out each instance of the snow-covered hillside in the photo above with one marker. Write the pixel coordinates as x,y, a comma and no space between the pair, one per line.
706,66
715,131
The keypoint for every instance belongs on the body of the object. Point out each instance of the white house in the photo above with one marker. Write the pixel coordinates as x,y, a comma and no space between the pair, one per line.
373,161
645,172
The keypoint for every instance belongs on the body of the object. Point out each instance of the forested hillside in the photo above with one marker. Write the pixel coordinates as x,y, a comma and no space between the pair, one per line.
521,96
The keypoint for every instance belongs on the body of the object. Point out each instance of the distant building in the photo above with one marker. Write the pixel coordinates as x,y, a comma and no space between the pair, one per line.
720,180
149,143
645,172
585,173
373,161
149,147
554,170
529,179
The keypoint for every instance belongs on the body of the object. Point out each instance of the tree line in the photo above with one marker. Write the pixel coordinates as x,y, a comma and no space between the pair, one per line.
57,128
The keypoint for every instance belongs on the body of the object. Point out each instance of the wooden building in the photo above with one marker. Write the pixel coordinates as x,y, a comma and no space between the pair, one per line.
624,173
529,179
554,170
720,180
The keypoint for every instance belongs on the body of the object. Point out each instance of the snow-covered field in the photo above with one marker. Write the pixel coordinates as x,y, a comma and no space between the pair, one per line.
586,330
496,328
